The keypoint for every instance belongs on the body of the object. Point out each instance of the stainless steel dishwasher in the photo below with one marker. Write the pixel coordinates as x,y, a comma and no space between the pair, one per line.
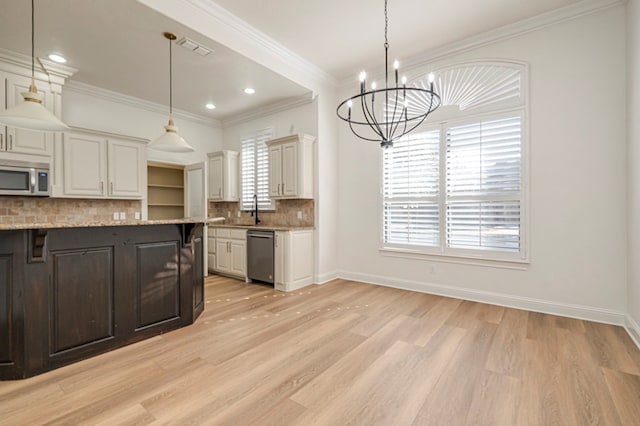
260,250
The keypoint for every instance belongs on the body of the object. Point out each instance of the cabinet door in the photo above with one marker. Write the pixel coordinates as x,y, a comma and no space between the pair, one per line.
195,203
275,170
216,178
238,258
126,166
27,141
223,258
279,256
84,163
289,170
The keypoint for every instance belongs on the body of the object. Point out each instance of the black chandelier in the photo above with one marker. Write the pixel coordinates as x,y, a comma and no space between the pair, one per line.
400,109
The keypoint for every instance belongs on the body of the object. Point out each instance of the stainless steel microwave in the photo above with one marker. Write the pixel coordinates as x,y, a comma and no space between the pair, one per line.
24,178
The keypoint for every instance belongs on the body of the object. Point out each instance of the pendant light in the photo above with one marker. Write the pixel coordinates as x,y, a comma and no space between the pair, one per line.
386,114
170,141
31,114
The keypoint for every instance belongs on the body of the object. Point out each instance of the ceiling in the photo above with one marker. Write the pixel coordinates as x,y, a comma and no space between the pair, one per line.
118,44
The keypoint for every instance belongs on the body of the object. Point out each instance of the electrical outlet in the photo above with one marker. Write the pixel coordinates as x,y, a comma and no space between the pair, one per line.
123,215
228,213
137,215
299,214
238,214
116,216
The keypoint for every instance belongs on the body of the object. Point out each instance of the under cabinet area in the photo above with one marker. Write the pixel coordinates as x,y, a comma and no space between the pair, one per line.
165,191
93,164
291,167
223,176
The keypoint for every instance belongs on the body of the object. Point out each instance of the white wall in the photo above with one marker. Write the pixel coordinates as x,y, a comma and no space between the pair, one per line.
301,119
81,109
633,120
577,185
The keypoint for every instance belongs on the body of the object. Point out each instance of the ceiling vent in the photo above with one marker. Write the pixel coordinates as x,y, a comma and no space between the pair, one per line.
194,46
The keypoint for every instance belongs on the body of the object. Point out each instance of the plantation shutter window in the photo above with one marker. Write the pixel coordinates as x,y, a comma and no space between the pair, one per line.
483,163
411,189
255,170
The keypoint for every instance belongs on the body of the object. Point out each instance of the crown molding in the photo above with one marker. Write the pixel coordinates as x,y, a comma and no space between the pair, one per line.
217,23
134,102
270,109
516,29
22,65
225,18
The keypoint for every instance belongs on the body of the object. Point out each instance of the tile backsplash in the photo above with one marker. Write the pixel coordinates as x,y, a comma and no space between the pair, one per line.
26,210
286,213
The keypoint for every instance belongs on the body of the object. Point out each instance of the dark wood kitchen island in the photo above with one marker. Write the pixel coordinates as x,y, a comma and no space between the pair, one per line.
69,293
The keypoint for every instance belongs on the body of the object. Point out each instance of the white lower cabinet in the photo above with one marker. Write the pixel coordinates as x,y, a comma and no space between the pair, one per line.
293,259
228,251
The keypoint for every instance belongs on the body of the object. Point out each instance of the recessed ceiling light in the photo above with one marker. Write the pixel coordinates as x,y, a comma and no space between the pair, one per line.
57,58
249,91
210,106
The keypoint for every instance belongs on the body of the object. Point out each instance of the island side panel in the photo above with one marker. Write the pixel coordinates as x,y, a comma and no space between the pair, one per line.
90,290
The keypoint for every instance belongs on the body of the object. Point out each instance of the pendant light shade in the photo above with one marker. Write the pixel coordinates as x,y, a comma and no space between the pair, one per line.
170,141
31,114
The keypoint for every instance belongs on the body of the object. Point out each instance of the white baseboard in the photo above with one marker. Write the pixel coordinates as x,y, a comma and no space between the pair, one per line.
633,329
589,313
326,277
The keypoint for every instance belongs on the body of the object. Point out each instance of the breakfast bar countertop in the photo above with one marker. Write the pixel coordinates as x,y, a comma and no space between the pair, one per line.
90,224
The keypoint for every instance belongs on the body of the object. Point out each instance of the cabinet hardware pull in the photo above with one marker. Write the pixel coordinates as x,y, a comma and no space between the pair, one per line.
278,189
111,188
10,142
219,192
1,143
101,187
282,188
275,236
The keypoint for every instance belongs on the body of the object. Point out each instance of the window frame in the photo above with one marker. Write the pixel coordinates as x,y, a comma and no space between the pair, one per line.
459,255
255,135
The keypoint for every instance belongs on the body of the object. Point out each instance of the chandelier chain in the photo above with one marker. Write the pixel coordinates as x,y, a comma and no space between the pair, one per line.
170,81
386,26
33,43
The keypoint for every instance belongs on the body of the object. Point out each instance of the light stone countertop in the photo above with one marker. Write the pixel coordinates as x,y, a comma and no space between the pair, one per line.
54,225
265,227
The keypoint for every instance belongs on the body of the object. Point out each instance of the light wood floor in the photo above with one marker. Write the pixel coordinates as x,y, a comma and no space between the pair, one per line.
346,353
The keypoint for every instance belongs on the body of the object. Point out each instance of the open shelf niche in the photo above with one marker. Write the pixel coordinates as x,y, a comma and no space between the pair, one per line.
165,191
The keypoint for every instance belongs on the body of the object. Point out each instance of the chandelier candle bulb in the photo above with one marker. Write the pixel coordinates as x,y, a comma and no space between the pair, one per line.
396,65
363,77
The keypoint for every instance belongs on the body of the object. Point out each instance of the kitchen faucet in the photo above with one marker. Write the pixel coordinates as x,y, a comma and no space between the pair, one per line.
255,208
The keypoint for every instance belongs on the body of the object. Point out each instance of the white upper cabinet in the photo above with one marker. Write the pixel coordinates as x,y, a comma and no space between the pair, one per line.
223,176
24,144
100,165
291,167
125,168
